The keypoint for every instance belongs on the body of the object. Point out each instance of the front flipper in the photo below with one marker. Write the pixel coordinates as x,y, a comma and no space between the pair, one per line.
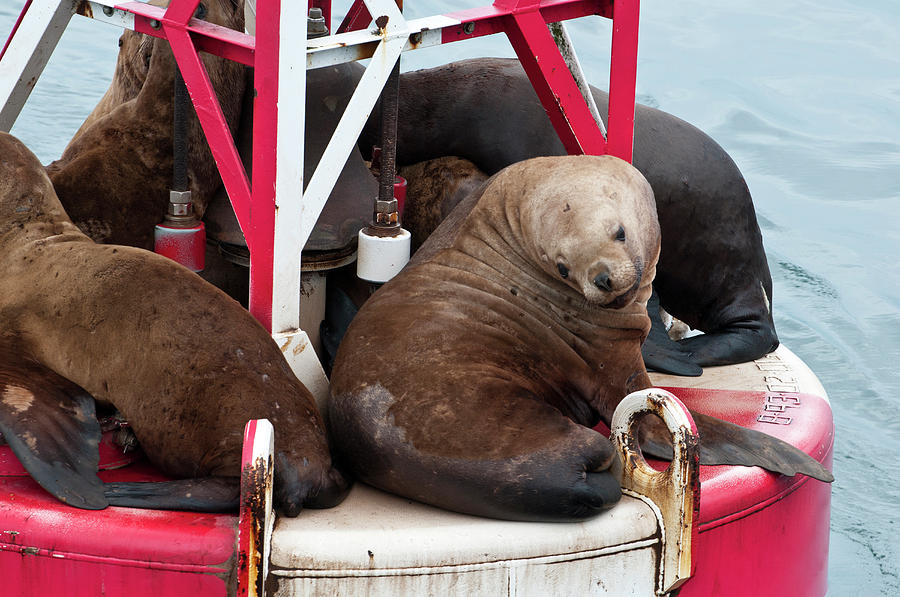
660,352
50,425
740,343
208,494
722,442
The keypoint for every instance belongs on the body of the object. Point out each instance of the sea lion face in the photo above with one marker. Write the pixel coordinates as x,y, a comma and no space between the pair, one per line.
594,231
133,62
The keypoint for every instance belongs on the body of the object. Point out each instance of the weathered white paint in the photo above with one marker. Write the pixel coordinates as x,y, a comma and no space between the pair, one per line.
289,169
28,53
119,18
301,356
355,45
378,544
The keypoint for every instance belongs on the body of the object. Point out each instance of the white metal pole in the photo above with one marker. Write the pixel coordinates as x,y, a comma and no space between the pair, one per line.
289,167
28,53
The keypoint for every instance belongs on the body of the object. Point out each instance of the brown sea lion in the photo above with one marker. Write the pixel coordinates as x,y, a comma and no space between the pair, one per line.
182,362
115,174
712,272
433,189
471,380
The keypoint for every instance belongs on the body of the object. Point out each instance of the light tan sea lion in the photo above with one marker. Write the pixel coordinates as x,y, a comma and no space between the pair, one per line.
471,380
182,362
115,174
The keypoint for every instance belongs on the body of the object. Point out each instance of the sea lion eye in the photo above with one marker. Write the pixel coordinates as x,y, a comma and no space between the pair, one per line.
201,11
563,270
120,42
620,234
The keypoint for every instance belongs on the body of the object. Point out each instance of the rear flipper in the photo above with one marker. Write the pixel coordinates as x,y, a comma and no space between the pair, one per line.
296,487
660,352
722,442
208,494
50,425
740,343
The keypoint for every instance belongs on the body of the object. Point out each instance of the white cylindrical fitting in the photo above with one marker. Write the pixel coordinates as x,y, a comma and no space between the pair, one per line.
382,257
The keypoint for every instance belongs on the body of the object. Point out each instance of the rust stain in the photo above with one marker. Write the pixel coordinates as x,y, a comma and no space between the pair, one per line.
84,9
254,477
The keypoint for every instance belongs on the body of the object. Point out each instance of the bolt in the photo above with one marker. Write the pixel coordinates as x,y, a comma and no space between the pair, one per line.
385,207
315,23
108,11
155,24
468,28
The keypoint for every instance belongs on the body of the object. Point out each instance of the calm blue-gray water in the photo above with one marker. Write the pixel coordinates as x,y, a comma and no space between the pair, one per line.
806,98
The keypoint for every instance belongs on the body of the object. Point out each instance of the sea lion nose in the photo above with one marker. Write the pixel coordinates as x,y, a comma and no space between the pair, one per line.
603,282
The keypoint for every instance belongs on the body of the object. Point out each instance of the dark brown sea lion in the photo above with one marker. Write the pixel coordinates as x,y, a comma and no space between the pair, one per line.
115,174
712,272
182,362
471,380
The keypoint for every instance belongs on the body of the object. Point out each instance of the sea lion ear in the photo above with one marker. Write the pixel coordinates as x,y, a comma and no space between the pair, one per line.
51,427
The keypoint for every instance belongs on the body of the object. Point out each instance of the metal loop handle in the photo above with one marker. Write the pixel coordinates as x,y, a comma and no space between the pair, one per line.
676,490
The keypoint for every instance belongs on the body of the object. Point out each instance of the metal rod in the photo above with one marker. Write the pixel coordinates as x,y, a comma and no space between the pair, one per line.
389,109
179,134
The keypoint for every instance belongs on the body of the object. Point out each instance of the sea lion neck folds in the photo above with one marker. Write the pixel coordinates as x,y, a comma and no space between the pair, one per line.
555,236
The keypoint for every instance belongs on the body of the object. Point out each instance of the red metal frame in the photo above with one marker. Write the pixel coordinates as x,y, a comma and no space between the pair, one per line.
524,22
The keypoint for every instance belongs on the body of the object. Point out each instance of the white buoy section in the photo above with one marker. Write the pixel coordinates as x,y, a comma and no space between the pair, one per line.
382,257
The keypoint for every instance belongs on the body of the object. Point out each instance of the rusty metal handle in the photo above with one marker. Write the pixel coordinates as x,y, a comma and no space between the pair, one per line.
675,491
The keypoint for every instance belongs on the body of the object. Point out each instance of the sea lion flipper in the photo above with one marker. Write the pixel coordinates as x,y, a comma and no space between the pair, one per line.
739,343
51,427
208,494
660,352
722,442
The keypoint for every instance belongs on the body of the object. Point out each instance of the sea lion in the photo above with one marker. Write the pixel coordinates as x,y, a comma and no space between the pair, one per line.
182,362
434,188
471,380
712,272
114,176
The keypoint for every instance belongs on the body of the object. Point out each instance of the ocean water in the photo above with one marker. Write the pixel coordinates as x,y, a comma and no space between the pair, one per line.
805,96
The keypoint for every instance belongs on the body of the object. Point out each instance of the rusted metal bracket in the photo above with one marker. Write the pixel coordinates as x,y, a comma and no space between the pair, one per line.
675,491
256,517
